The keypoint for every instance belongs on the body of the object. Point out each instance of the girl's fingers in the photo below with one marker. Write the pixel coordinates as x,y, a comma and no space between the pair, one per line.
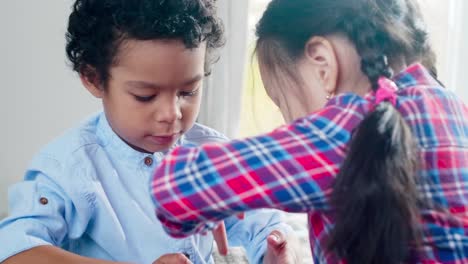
220,237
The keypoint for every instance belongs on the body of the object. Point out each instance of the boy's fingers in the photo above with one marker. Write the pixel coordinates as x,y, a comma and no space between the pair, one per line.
176,258
276,241
220,237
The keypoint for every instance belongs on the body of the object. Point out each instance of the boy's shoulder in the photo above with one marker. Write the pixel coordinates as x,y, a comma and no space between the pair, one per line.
80,137
200,134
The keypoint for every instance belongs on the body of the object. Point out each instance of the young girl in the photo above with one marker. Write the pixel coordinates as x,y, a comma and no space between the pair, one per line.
85,197
376,150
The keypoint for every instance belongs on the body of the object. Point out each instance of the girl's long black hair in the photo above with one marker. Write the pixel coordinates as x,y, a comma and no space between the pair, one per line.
375,196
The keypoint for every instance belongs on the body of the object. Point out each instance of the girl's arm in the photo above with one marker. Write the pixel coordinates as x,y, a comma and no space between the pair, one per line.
291,168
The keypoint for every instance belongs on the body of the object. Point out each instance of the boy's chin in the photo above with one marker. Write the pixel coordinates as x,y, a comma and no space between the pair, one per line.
154,149
151,149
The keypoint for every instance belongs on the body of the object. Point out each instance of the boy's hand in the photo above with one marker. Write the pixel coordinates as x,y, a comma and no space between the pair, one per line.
281,249
173,259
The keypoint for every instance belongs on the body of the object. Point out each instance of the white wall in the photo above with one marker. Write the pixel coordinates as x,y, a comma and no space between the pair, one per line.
448,29
457,45
40,96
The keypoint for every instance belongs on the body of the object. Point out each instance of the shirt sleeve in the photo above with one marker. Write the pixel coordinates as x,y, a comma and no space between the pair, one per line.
292,169
252,232
41,213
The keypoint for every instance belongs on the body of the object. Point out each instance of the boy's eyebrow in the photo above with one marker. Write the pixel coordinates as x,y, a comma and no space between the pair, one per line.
193,80
149,85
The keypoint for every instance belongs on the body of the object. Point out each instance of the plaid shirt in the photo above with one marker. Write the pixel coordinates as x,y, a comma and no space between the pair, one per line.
294,167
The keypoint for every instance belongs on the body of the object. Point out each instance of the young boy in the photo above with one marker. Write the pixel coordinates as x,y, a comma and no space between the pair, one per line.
86,197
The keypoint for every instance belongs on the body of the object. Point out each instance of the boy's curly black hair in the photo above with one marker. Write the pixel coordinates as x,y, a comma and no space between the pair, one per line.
96,29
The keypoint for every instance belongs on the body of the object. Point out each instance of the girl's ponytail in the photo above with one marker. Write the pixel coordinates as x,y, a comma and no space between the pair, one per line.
375,194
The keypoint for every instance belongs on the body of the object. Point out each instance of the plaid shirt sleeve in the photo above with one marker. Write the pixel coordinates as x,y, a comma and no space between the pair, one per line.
292,169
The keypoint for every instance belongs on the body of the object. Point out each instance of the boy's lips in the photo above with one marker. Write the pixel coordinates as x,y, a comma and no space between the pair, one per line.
164,139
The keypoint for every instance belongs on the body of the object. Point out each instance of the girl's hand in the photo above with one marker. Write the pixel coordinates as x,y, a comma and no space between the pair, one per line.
220,236
177,258
281,249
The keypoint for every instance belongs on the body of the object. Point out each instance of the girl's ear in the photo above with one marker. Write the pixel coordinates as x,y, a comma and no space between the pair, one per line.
320,53
90,79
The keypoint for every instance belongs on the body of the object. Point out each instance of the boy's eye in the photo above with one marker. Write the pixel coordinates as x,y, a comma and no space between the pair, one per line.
188,93
144,99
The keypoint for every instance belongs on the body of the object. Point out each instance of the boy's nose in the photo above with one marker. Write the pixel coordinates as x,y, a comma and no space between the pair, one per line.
168,112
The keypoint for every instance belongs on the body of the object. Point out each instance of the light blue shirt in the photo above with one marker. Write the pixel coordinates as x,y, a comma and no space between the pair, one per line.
88,193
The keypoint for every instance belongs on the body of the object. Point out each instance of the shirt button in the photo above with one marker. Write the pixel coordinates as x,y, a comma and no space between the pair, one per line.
148,161
43,201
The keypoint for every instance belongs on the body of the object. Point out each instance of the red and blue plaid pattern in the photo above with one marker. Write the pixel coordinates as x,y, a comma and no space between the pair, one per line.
294,167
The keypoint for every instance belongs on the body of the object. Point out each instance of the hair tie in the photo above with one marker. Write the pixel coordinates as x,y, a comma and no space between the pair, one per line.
386,91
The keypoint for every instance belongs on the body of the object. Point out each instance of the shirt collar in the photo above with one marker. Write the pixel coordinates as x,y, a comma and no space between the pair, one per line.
415,75
125,153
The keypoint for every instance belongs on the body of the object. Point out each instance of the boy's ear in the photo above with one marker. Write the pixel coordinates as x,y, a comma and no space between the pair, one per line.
90,79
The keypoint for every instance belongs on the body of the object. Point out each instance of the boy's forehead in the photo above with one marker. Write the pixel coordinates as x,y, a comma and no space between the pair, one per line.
159,48
162,59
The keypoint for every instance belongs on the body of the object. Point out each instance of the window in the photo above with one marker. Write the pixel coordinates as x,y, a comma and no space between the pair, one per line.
442,23
259,114
443,18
